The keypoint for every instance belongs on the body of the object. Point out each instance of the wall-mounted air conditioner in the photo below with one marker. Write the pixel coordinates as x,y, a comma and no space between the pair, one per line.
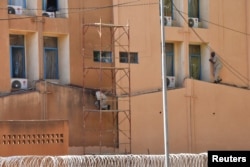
170,82
48,14
193,22
15,9
167,21
19,83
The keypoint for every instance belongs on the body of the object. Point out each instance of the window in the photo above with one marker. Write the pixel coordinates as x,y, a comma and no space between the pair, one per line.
50,5
170,59
50,58
17,56
17,3
168,8
193,8
195,61
124,58
103,56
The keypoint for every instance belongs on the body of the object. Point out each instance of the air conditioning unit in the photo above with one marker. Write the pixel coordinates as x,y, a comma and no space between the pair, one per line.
193,22
167,21
19,83
15,9
48,14
170,82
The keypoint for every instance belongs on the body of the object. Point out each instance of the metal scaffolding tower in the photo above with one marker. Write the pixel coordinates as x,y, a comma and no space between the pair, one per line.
106,130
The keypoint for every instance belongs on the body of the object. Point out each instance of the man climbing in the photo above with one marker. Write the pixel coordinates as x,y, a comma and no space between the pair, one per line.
101,102
217,67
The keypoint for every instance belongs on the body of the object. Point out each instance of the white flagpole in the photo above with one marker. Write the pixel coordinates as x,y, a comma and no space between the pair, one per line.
164,87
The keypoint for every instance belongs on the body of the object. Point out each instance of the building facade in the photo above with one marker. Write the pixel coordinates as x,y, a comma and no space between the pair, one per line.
47,41
31,40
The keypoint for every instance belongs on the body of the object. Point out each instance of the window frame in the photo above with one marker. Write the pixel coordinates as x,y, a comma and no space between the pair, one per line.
134,58
17,43
44,5
195,55
166,9
171,55
45,50
12,2
23,75
102,56
191,13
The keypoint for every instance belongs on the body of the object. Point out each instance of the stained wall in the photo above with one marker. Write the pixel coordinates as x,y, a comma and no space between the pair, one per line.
201,117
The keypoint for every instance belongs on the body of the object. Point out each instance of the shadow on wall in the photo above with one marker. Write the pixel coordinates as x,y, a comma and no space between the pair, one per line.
50,101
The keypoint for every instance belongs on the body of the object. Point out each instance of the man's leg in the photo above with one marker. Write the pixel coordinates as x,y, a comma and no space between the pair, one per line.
216,75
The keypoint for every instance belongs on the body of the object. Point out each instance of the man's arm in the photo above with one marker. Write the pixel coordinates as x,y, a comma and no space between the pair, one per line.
211,60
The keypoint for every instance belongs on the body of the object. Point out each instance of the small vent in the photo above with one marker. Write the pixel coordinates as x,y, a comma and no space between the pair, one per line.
13,139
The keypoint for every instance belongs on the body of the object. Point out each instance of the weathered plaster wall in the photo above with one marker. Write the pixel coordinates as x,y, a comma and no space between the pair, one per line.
21,106
4,58
66,102
57,102
198,119
201,117
34,138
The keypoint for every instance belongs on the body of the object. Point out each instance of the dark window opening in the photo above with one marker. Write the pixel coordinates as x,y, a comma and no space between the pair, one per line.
18,62
103,56
125,58
168,8
193,8
50,5
51,69
170,59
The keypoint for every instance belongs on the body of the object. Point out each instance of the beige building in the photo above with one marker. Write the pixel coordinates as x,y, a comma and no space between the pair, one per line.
63,51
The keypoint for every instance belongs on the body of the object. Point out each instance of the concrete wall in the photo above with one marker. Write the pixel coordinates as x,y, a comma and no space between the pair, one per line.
57,102
201,117
218,117
5,61
64,102
21,106
34,138
144,38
